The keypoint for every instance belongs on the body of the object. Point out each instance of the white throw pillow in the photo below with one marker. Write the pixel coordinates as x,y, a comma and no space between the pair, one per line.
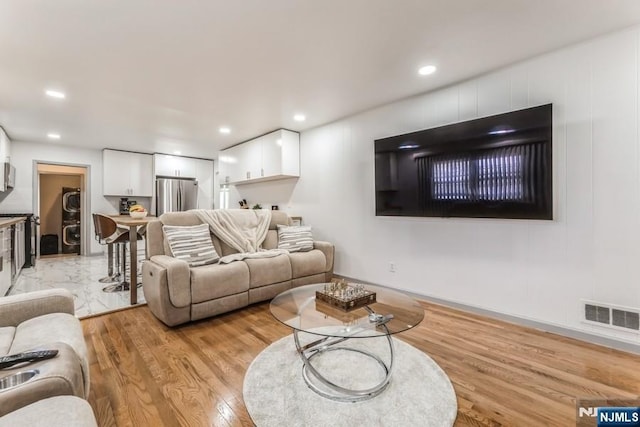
295,238
191,243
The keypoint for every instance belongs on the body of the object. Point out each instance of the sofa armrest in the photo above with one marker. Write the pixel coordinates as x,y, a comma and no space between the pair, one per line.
178,279
328,250
16,309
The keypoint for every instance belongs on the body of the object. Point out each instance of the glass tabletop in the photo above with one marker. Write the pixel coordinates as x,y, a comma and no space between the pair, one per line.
392,312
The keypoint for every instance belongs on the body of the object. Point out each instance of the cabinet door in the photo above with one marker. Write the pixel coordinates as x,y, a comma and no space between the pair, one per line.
272,154
281,154
231,169
141,173
252,159
204,176
116,173
5,154
166,165
187,167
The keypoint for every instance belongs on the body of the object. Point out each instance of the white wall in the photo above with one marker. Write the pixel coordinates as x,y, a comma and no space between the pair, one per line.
23,155
537,270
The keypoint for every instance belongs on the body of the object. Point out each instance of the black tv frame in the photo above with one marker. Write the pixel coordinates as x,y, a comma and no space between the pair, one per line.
405,183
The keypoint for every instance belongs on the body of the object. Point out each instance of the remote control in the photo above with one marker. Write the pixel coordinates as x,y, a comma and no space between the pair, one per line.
29,356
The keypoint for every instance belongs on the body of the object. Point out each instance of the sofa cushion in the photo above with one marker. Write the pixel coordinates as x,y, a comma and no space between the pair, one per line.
56,327
6,338
58,411
271,241
295,238
60,375
218,280
278,218
307,263
191,244
266,271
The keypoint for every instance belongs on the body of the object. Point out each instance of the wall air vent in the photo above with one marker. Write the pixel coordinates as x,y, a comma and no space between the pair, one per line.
626,319
612,316
596,313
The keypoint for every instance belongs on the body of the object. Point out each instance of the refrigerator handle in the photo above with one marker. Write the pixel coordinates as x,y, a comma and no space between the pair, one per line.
180,196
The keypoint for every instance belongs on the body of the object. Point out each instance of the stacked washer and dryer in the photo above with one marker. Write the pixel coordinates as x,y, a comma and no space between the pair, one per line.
71,220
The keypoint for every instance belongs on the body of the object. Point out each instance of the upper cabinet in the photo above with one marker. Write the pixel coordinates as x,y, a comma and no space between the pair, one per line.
167,165
272,156
5,154
5,147
127,174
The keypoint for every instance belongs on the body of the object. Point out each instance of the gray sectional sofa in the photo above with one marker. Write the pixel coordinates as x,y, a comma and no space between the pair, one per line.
177,293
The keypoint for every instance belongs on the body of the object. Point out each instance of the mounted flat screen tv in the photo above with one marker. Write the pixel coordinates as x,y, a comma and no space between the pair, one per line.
493,167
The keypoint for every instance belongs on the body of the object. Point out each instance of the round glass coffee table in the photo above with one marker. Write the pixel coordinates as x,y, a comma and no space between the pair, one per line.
392,312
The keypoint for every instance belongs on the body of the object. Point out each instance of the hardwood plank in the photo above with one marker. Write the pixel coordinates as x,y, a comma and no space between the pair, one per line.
146,374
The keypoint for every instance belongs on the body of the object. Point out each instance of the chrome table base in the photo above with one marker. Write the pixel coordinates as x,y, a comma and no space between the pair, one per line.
328,389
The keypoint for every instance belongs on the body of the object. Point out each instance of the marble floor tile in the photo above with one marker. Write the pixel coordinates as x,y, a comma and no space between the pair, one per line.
78,274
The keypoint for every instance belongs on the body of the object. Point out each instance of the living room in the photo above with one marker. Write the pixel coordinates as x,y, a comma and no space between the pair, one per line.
519,287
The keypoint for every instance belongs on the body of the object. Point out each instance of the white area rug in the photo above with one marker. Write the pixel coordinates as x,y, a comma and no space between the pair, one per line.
419,393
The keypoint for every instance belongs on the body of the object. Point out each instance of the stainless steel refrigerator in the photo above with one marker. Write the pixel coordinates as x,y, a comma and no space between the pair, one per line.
176,194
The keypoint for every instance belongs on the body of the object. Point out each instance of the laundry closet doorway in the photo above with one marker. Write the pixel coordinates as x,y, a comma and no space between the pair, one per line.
61,201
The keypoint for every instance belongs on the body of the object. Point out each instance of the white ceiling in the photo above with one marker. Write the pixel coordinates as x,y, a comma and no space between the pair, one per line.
164,75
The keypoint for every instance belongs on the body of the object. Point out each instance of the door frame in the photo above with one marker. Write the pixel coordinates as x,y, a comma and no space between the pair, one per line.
85,199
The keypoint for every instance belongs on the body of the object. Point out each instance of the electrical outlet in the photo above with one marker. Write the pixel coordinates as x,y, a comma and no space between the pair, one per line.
392,267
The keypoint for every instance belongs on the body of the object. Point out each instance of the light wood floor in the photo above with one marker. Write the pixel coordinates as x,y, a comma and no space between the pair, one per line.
145,374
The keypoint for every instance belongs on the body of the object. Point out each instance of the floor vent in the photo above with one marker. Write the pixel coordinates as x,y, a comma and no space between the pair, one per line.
606,315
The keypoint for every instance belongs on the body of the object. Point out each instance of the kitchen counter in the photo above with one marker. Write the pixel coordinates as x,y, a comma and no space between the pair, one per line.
6,222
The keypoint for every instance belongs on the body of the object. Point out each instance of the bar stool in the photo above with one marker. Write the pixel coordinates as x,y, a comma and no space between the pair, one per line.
113,235
100,237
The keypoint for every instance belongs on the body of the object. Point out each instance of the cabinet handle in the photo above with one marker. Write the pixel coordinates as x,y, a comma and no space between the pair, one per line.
248,175
261,172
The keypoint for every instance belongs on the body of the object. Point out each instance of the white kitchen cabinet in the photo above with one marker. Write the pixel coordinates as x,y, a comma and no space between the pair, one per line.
5,154
272,156
228,163
204,176
167,165
127,174
281,154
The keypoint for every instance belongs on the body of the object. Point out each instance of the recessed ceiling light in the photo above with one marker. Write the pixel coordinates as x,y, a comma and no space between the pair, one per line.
299,118
426,70
53,135
55,94
177,153
224,129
